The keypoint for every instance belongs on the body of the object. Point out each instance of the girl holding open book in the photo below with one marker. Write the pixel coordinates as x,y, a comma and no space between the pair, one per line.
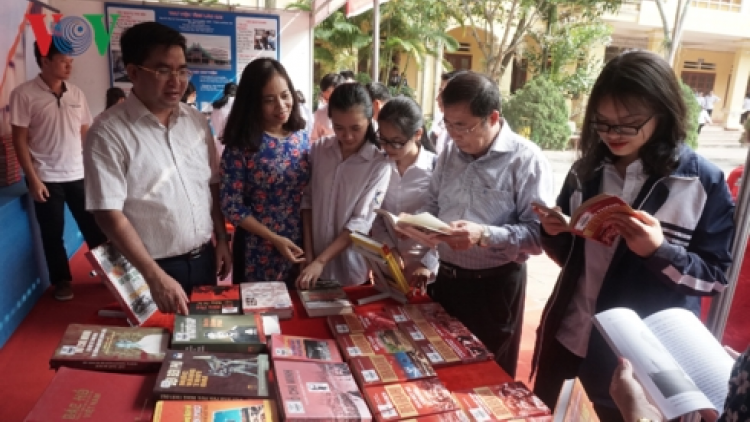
399,132
348,182
673,249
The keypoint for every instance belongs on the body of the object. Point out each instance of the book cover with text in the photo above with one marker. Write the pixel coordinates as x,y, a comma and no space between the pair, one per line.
410,399
285,347
219,333
392,368
257,410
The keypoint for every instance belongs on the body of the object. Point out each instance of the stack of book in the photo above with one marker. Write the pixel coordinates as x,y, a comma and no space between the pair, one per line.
268,298
326,298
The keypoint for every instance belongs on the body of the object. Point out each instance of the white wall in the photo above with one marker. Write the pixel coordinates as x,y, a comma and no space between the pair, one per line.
91,71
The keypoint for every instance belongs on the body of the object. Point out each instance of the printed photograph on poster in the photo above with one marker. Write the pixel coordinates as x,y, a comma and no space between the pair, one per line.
265,39
208,51
128,17
255,37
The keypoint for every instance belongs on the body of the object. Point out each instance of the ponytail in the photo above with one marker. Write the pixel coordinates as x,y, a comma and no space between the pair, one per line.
230,90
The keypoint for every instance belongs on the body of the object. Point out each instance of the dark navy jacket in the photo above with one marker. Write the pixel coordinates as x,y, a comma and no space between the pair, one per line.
695,211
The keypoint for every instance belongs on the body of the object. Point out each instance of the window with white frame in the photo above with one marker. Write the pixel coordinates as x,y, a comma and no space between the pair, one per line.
722,5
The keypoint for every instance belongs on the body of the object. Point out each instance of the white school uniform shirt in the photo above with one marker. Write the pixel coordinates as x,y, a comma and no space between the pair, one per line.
322,125
704,118
407,193
746,104
54,128
343,195
710,101
219,122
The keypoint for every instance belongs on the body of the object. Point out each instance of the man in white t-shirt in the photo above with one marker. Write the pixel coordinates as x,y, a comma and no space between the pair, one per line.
710,100
321,122
50,118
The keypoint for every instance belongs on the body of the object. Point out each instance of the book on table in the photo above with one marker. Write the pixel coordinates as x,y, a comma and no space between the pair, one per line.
267,297
387,276
573,404
410,399
214,299
219,333
416,312
373,343
111,349
360,322
501,402
424,227
285,347
391,368
324,300
77,394
125,282
592,218
251,410
212,376
681,366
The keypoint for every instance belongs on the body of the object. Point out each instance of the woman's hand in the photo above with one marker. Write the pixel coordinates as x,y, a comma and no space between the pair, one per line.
551,224
310,274
629,396
641,232
288,249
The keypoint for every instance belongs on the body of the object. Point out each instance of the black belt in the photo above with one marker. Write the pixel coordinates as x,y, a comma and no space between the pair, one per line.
192,254
455,272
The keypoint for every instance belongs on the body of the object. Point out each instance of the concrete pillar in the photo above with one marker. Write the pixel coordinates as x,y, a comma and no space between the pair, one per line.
738,88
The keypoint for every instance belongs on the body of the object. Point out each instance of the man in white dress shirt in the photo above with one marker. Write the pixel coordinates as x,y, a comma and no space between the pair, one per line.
152,176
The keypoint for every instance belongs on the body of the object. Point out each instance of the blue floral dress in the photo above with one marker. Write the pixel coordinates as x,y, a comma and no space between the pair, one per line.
267,185
737,406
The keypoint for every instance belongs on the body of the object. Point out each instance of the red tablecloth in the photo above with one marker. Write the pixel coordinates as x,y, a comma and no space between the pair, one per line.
455,377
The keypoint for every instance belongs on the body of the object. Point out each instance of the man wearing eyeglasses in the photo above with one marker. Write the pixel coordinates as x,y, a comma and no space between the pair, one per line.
152,178
484,185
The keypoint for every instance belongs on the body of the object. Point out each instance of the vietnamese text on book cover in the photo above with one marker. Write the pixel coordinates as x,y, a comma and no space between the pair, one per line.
319,391
219,333
189,375
511,400
267,297
416,312
458,337
360,323
425,339
77,394
215,300
410,399
113,349
373,343
303,348
254,410
387,369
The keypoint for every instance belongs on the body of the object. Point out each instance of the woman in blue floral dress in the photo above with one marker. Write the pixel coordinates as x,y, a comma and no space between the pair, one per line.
264,170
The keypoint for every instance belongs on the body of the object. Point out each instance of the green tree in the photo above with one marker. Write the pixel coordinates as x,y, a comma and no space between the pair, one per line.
538,111
693,111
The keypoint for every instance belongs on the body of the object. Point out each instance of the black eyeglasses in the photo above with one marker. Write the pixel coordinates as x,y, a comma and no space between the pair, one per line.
625,130
390,143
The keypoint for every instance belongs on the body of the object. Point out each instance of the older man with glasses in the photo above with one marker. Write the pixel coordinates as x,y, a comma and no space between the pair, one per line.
152,178
484,185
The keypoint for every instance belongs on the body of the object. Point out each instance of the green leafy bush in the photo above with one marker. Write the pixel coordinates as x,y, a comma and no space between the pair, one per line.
693,111
539,112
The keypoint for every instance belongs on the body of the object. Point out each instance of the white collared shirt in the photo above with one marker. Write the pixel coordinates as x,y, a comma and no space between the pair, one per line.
343,195
54,128
407,193
575,328
158,176
322,125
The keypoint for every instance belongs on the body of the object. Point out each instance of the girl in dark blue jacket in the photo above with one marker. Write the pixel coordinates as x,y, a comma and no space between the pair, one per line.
673,251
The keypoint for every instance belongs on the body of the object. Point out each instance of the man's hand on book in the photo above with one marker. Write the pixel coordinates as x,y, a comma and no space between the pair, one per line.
290,251
629,396
550,223
642,232
464,235
168,294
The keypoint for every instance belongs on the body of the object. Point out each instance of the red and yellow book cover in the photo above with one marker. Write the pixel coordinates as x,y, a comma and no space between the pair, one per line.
410,399
76,394
458,337
319,391
502,402
425,339
111,349
574,404
592,219
213,300
360,323
304,348
257,410
454,416
416,312
373,343
387,369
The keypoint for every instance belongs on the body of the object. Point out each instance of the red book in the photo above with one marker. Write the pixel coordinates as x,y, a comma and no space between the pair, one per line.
360,323
319,391
502,402
464,342
454,416
76,394
425,339
213,300
388,369
112,349
416,312
410,400
257,410
373,343
303,348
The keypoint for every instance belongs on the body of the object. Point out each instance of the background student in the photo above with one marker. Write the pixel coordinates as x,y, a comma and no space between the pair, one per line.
349,179
321,122
673,250
220,113
263,172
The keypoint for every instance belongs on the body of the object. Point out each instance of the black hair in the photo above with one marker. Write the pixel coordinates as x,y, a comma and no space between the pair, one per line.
301,97
447,76
51,52
230,90
347,74
478,91
637,78
347,96
404,114
331,80
190,90
139,41
244,128
378,91
113,96
426,142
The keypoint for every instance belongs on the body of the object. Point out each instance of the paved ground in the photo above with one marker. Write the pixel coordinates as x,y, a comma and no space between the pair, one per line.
719,146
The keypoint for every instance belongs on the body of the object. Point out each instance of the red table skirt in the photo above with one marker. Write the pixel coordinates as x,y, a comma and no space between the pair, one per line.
456,377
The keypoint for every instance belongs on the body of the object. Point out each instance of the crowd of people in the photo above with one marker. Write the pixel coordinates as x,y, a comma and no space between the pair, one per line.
161,181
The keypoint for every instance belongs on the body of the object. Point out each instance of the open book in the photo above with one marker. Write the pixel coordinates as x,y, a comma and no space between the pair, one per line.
591,219
681,366
423,227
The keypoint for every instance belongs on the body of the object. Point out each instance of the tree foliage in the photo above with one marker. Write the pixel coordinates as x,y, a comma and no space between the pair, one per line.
538,111
693,111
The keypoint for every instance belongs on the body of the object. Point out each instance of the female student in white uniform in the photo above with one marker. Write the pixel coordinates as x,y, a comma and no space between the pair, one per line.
400,127
348,182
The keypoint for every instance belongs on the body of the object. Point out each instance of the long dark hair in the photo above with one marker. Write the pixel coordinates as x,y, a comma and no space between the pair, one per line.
244,127
113,96
346,96
230,90
637,78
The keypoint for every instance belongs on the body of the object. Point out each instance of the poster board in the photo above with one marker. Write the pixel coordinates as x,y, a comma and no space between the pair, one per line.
219,44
